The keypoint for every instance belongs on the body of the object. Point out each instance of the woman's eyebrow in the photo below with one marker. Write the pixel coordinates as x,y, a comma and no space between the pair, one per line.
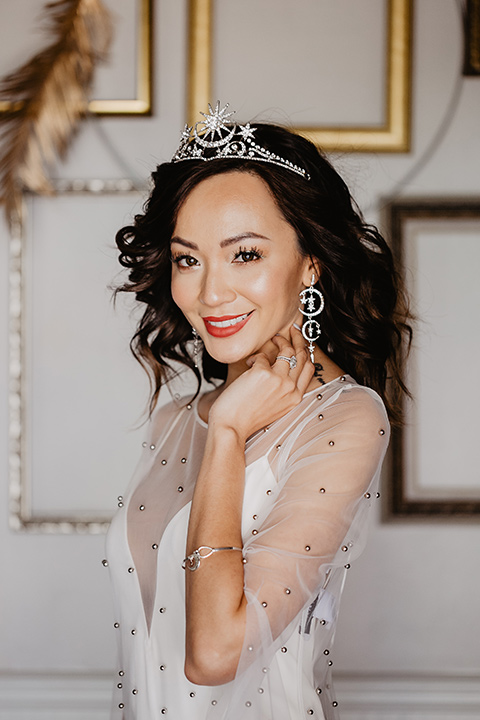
242,236
224,243
185,243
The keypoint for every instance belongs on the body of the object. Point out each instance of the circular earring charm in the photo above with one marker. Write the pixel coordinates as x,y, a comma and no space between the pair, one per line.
310,297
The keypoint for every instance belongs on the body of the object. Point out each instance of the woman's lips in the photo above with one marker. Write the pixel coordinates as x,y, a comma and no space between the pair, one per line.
226,324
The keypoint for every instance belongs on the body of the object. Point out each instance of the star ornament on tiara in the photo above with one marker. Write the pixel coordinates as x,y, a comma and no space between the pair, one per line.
228,140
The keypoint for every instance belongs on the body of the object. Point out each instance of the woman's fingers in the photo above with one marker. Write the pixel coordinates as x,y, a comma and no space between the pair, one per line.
284,354
259,359
306,367
303,370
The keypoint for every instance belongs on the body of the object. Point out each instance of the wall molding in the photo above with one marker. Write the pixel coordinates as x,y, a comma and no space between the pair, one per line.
49,696
79,696
407,697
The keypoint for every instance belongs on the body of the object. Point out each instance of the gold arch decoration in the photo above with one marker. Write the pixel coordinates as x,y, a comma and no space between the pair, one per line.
141,104
391,136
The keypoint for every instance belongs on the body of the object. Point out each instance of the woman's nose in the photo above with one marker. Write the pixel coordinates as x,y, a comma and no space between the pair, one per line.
216,289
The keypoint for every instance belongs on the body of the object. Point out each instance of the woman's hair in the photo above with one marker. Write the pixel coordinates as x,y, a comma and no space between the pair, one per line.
365,323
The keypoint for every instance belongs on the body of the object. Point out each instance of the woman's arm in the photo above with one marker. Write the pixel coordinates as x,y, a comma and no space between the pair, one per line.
215,603
215,600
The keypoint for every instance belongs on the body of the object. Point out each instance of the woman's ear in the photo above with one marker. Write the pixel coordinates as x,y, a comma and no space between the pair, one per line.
312,270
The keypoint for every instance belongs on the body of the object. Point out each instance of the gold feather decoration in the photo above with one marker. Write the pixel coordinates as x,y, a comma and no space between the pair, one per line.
46,97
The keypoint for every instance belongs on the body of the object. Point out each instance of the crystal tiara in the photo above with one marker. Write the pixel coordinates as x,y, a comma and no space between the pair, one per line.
229,140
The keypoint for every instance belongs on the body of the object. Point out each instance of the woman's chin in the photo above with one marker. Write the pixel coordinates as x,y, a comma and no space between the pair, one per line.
229,355
230,352
228,358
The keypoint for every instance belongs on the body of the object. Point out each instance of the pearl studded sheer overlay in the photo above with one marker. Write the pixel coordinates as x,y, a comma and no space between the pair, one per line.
310,480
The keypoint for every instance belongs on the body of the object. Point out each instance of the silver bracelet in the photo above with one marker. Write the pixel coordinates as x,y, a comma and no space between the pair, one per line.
192,562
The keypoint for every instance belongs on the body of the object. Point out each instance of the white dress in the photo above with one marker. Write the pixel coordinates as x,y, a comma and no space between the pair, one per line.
310,479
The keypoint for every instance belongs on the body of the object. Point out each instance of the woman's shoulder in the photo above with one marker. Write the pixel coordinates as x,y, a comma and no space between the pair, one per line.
343,429
345,405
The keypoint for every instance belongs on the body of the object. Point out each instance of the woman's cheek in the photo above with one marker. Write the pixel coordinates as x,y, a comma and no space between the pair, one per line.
262,285
179,291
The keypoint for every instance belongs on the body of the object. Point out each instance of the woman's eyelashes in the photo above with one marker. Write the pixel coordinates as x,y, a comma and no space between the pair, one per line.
242,256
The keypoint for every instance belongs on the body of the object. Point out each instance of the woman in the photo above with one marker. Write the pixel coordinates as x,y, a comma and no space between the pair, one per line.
260,486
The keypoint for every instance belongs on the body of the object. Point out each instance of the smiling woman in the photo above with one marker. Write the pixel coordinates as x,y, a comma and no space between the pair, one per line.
241,247
231,545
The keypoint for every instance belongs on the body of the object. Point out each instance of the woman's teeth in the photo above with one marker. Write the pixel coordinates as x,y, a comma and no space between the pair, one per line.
228,323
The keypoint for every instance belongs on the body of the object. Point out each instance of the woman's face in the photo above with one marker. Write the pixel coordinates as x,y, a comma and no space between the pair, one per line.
237,269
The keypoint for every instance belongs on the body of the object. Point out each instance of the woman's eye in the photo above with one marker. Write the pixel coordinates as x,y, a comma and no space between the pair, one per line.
184,260
246,256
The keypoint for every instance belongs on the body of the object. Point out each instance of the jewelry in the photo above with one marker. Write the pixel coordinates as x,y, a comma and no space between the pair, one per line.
231,141
311,330
196,346
192,562
292,361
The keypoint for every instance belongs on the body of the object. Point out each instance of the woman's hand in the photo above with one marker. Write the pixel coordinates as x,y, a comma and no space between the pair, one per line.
265,392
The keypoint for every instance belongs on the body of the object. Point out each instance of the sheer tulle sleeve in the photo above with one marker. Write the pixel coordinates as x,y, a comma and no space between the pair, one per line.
301,543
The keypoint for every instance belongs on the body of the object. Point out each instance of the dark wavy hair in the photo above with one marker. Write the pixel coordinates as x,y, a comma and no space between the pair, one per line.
365,323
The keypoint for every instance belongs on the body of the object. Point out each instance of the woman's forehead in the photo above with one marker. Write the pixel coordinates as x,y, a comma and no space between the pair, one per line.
232,199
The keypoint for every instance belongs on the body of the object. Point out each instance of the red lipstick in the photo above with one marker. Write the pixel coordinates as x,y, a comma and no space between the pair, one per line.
225,325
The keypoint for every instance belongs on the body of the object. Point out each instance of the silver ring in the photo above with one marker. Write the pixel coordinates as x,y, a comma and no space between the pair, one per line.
292,361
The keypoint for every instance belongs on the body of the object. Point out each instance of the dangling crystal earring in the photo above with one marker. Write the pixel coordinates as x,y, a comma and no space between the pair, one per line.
196,346
314,301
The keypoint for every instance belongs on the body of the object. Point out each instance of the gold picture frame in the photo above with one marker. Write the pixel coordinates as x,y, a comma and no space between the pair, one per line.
392,136
142,103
